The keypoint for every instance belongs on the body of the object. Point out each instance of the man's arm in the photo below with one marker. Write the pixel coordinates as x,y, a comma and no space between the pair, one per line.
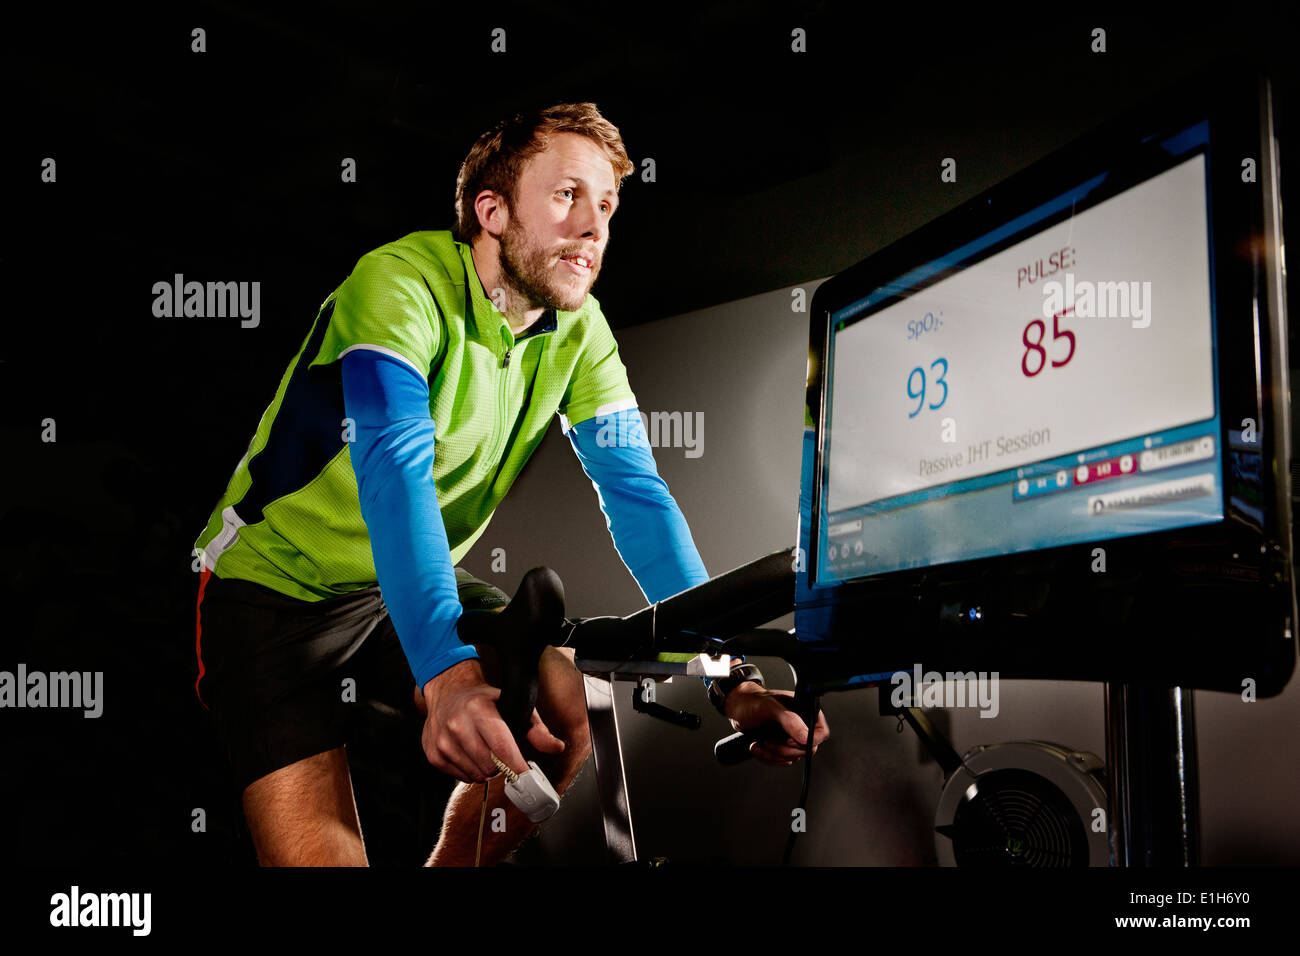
651,536
392,455
649,531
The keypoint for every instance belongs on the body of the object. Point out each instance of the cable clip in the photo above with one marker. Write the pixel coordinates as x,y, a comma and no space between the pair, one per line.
531,792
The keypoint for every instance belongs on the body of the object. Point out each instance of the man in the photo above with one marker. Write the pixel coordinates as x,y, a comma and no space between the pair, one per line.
427,380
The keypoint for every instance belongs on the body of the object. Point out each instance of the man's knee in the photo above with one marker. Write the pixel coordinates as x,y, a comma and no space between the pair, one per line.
566,704
576,734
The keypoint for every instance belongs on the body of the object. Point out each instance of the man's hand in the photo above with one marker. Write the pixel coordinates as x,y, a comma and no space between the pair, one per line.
462,726
751,705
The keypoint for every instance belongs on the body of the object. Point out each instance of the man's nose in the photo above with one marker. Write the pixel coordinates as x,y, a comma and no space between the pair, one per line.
589,221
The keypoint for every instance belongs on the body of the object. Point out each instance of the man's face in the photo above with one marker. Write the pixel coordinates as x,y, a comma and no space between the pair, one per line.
563,201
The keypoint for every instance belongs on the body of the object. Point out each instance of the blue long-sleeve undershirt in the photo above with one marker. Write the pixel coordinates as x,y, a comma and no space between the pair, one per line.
649,531
392,455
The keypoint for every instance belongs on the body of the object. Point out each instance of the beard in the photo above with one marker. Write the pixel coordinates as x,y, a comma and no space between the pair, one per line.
529,270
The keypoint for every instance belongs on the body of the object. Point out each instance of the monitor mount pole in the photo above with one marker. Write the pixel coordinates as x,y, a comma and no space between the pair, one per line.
1151,776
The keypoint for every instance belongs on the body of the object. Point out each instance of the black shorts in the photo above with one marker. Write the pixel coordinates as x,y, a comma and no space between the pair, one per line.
287,679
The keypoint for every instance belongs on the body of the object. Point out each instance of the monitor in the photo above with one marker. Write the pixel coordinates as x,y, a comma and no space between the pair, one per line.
1063,407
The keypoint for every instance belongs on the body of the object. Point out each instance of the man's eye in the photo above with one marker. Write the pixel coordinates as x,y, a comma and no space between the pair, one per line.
566,192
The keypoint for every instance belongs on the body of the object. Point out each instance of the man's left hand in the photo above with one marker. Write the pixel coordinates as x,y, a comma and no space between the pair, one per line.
751,705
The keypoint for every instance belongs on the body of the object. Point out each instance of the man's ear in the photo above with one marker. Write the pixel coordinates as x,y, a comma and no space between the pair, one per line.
492,211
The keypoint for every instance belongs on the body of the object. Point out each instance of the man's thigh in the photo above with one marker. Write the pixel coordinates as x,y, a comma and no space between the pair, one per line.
305,814
289,679
292,683
281,676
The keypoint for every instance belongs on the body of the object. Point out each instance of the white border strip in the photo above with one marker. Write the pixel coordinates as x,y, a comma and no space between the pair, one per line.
608,409
621,405
383,351
228,535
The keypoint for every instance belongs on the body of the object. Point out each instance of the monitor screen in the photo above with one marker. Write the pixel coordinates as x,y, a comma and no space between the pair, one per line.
1051,382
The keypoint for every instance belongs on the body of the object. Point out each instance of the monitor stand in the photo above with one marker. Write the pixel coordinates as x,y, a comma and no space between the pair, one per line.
1151,776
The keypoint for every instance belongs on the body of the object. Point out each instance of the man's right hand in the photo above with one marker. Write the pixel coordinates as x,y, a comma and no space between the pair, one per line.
462,726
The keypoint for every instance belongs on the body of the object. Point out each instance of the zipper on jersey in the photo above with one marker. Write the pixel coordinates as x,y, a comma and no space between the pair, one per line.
503,389
503,386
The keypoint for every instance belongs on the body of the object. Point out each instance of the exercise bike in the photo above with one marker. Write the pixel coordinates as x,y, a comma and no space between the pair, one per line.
1033,801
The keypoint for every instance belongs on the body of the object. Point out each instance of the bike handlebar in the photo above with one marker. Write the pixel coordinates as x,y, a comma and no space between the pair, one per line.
722,615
